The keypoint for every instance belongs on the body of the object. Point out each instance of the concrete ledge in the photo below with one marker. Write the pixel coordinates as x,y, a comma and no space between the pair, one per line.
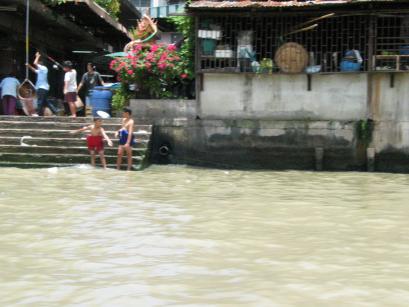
158,111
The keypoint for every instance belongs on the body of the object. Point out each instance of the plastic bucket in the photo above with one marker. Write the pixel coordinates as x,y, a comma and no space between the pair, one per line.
208,46
350,66
100,99
404,50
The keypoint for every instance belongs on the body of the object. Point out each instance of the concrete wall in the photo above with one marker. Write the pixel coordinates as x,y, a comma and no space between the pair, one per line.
332,97
255,144
390,110
161,111
274,122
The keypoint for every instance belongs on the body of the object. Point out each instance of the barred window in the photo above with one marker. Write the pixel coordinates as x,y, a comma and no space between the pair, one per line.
333,42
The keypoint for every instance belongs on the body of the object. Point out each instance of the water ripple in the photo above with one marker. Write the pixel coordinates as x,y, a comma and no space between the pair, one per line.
198,237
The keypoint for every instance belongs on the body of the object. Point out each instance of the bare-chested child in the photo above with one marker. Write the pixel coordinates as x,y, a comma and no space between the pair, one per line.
126,138
95,140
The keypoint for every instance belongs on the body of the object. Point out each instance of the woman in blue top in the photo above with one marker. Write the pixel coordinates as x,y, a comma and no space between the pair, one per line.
42,85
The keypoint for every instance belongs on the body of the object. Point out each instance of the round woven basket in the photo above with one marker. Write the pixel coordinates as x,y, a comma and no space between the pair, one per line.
291,58
27,90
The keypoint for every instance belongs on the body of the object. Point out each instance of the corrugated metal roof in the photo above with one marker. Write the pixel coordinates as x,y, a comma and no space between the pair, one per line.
216,4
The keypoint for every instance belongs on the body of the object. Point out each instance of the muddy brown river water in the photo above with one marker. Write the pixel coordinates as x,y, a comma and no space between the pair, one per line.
180,236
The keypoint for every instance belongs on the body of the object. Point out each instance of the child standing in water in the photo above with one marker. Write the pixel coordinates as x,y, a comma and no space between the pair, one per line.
126,138
95,140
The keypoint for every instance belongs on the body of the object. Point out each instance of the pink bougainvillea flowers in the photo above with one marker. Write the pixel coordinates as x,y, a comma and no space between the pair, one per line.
156,68
171,47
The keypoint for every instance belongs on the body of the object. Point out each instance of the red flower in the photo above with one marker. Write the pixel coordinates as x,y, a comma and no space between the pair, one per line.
162,66
171,47
164,55
150,56
130,72
183,76
154,48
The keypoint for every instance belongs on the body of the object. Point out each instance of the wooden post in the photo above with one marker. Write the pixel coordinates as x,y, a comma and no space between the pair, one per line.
319,158
370,159
198,75
371,43
371,63
309,82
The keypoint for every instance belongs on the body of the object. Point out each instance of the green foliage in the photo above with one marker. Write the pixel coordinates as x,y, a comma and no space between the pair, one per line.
113,7
185,25
266,66
365,131
120,98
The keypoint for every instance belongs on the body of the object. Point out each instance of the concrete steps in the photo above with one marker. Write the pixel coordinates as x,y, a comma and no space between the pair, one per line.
67,150
61,133
60,119
136,167
47,142
76,142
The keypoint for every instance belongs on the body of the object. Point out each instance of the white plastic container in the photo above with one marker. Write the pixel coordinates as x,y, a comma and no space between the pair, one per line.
224,54
212,34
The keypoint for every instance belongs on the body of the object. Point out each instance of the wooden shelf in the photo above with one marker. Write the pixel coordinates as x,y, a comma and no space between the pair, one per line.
397,58
221,71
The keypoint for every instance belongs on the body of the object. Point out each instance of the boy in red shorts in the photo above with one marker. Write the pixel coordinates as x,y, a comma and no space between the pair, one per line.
95,140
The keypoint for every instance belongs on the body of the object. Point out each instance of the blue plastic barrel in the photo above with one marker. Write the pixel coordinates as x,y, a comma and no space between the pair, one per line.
350,66
101,98
404,50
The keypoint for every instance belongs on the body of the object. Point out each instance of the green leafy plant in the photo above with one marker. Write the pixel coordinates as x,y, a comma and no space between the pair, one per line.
113,7
185,25
120,98
364,130
266,66
153,69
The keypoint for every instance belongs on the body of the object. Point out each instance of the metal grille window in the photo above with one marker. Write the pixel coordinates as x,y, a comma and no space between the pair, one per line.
142,3
327,41
392,43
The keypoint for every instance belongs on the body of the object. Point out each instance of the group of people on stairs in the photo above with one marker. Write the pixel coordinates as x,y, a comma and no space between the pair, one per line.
11,93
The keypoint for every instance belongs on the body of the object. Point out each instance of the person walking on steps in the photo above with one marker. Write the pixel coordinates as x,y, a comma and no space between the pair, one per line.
89,80
42,85
9,89
70,87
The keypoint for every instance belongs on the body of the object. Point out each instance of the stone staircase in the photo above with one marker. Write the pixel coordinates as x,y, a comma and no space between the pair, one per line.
31,142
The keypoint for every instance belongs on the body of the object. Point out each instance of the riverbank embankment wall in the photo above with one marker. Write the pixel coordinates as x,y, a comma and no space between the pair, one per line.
285,122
